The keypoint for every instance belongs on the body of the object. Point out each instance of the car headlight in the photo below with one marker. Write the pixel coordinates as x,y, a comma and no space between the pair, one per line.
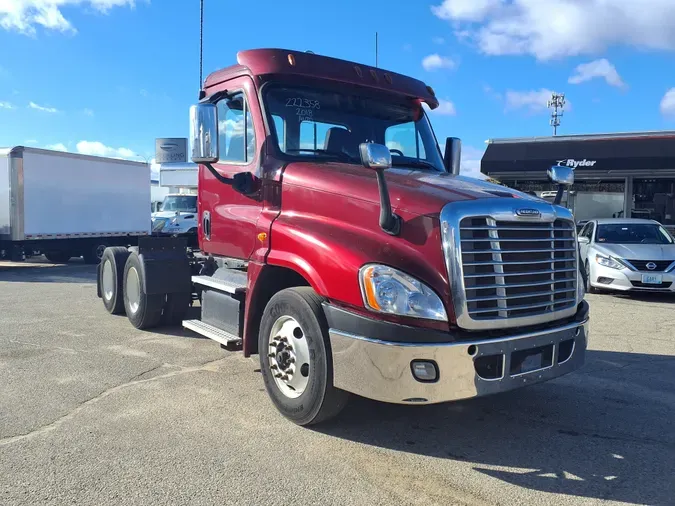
388,290
158,225
608,262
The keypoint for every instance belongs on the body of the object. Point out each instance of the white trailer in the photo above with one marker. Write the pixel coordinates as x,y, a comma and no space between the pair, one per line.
66,205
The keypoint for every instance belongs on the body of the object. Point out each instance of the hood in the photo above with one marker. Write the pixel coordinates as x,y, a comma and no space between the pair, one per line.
417,191
638,251
172,214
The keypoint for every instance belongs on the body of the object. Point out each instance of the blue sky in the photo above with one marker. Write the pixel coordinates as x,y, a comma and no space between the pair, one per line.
108,76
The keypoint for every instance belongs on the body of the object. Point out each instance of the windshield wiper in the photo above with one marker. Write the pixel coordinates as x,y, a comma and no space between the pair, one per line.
422,164
344,157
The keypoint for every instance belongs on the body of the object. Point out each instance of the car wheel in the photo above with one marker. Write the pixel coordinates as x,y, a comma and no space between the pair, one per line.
589,288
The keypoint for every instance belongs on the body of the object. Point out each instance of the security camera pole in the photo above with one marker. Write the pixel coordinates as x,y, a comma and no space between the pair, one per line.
557,103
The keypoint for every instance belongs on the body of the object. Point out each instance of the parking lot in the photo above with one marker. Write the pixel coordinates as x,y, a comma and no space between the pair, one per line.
93,411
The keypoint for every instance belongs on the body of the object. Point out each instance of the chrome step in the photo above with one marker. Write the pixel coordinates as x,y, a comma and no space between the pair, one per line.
224,338
219,284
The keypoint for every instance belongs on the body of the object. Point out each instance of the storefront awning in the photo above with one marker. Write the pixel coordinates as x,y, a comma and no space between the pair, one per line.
646,155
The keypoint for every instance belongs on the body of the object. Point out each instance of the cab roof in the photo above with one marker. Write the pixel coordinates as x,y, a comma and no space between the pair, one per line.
259,62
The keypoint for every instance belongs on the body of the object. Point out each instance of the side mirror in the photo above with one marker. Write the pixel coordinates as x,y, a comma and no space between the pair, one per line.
204,133
561,175
453,155
375,156
583,240
378,158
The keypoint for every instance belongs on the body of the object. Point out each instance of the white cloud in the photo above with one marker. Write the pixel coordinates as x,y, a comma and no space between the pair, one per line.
57,147
6,105
88,112
24,16
439,40
30,141
668,104
601,68
445,108
550,29
97,148
144,93
37,107
470,163
533,101
436,61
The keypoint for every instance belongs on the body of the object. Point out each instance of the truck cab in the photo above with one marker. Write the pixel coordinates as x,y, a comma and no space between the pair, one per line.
340,244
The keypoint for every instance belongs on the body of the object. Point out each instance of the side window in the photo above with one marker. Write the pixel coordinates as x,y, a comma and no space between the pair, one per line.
584,230
281,131
313,134
591,228
236,136
404,138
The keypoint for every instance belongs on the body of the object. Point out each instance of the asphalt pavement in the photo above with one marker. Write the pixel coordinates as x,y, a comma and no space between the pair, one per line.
93,411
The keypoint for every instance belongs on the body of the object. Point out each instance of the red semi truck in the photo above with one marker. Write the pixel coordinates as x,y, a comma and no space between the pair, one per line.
340,245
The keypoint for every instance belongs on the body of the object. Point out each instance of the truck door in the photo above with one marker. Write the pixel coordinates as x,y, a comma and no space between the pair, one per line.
228,217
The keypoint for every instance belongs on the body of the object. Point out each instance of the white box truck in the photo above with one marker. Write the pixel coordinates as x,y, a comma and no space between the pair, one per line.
67,205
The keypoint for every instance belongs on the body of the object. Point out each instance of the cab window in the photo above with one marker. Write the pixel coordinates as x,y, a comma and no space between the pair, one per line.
236,135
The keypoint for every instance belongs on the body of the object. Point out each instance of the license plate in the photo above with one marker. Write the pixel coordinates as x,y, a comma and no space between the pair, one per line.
531,363
652,279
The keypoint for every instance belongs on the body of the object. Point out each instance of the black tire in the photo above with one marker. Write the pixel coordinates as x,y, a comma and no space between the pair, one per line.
320,400
117,257
94,255
148,311
58,257
589,288
175,308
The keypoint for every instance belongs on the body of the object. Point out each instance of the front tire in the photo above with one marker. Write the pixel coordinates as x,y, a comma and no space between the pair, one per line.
94,255
589,288
143,310
296,359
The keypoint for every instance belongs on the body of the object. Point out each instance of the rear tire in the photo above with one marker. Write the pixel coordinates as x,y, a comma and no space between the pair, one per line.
111,276
296,315
58,257
144,311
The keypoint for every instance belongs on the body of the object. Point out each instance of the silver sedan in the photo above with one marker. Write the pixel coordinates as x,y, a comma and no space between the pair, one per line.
627,254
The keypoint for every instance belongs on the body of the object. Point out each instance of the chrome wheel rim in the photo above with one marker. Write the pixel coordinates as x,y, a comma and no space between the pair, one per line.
107,280
133,289
288,355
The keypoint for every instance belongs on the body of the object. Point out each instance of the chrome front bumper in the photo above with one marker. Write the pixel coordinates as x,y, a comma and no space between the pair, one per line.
381,370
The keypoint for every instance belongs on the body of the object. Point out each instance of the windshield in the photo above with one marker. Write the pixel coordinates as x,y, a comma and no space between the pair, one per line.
629,233
187,203
326,124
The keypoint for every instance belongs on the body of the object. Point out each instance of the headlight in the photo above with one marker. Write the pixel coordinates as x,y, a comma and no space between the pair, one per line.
388,290
608,262
158,225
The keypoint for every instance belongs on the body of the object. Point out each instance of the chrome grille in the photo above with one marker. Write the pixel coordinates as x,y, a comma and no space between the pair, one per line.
517,269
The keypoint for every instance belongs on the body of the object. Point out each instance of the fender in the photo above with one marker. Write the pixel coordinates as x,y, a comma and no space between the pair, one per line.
165,265
328,253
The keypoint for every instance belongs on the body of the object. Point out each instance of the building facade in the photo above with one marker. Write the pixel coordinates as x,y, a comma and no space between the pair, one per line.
616,175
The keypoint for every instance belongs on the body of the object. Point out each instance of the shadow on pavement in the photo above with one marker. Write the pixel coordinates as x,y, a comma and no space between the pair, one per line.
664,298
604,432
76,272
